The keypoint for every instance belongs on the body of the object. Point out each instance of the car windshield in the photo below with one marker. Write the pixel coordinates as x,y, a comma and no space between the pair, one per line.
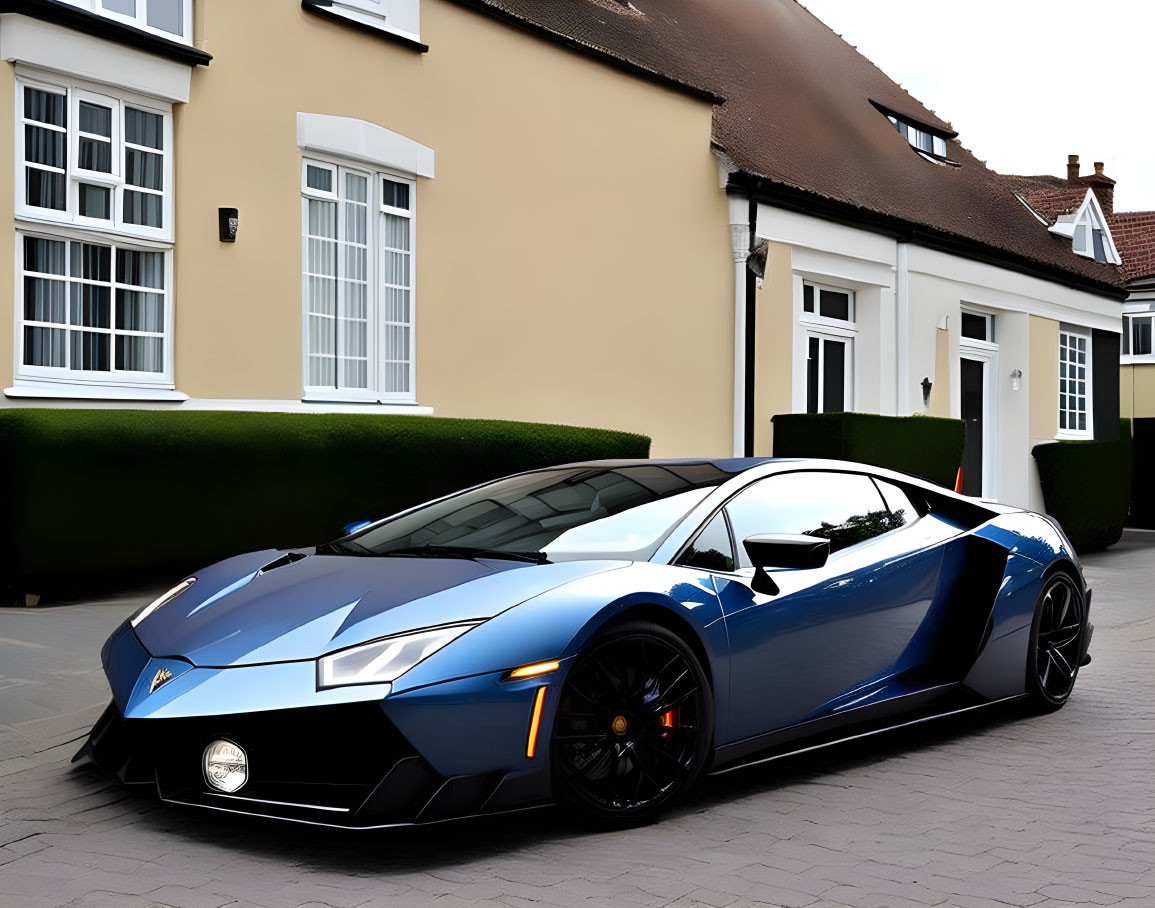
564,514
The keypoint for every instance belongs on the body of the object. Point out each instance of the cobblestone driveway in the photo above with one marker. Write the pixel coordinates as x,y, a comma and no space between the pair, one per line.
1046,811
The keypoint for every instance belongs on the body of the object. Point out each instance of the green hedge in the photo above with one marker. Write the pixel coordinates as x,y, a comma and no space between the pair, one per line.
925,446
98,498
1087,488
1142,478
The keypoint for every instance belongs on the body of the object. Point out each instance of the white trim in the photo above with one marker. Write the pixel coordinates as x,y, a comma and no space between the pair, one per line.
361,140
177,401
72,391
1090,213
398,17
77,55
1089,394
987,353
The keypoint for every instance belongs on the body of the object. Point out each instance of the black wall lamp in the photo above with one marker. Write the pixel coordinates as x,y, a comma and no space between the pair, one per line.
229,221
926,386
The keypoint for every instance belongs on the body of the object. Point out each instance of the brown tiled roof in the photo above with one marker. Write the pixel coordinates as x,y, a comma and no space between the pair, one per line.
1049,196
1134,235
798,116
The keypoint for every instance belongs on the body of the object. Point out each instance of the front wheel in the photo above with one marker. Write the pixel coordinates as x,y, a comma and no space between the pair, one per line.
1056,643
634,726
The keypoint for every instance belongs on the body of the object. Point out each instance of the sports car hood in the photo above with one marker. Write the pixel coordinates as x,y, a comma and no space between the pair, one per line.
262,607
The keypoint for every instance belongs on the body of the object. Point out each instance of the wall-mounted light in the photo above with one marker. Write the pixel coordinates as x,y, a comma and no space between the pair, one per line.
228,222
926,386
1016,379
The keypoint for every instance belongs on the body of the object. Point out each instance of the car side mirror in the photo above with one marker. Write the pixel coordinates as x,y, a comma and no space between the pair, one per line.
783,552
350,528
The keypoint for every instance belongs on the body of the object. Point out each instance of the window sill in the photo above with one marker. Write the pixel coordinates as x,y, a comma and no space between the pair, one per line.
1136,359
1075,436
363,405
324,9
93,392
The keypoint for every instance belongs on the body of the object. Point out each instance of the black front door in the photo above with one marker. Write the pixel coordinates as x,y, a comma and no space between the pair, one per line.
971,373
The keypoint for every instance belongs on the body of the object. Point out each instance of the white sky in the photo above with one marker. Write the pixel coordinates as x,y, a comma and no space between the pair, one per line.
1025,82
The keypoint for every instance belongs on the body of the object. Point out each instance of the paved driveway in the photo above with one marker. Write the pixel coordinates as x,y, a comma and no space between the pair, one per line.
1047,811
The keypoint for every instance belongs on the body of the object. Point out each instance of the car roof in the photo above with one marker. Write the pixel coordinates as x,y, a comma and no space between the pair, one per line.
725,464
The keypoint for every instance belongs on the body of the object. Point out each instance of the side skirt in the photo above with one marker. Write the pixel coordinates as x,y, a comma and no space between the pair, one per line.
768,754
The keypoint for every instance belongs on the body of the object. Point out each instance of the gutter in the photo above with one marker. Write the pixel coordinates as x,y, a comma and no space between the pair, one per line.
803,201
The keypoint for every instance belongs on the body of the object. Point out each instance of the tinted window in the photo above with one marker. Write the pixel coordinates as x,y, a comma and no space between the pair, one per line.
712,550
842,507
974,326
564,512
901,510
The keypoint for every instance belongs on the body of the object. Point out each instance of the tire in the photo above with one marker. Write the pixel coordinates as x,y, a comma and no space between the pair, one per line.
1057,632
634,726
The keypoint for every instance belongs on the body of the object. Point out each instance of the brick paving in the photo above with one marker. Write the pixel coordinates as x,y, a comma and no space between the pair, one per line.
994,810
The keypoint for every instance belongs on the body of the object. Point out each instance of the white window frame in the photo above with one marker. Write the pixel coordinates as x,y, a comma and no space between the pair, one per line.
914,134
63,378
140,20
824,328
1074,331
1132,313
376,278
76,91
386,15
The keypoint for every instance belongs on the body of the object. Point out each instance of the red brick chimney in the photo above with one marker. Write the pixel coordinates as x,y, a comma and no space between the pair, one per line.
1101,184
1072,167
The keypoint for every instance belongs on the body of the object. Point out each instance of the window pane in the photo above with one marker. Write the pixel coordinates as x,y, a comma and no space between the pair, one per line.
897,502
396,232
712,550
92,262
142,269
322,295
397,268
96,119
44,146
1141,335
143,168
356,187
322,219
394,194
139,311
140,354
44,256
812,363
90,351
90,305
842,507
45,107
1100,252
1081,237
833,376
167,15
44,300
322,337
44,346
94,202
125,7
143,208
142,127
833,304
94,155
974,326
318,178
322,372
396,305
44,189
807,298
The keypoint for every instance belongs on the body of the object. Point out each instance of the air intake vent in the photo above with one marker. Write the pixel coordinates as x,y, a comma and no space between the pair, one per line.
286,559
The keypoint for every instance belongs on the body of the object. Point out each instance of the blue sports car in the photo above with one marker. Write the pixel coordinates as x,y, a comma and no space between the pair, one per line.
596,635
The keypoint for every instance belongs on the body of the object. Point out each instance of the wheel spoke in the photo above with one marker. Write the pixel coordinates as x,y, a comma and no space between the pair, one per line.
1062,663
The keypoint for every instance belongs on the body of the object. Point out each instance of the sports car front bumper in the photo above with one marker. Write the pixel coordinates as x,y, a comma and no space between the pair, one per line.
349,757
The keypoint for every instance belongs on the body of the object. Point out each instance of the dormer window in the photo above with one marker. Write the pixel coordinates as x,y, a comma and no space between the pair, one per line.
920,138
1087,228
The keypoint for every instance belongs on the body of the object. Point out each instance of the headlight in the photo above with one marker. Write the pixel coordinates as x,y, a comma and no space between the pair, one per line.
383,660
162,600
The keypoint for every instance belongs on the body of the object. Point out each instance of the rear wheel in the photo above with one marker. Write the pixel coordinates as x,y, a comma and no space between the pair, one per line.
1056,643
634,725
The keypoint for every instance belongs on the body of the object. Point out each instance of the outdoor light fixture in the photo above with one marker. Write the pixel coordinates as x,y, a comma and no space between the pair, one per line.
1016,379
229,220
926,386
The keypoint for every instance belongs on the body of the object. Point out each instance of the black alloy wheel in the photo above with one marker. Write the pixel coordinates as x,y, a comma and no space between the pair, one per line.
1056,642
634,725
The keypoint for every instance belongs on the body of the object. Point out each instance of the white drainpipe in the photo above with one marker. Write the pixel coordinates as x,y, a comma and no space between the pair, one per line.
740,245
902,328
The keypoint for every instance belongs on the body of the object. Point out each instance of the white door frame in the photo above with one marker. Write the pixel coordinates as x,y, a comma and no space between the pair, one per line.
986,353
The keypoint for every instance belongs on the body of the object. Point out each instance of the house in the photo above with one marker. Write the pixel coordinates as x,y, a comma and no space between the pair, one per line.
1134,233
666,216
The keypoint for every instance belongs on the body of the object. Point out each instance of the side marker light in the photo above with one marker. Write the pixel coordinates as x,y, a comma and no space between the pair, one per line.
535,722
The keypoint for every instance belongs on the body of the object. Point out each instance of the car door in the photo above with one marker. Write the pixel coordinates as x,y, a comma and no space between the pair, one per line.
829,631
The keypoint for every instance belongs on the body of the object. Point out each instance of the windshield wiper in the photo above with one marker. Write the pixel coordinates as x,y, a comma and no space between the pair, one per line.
467,551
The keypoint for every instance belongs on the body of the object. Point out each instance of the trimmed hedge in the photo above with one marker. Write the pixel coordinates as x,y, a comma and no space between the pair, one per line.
1087,488
927,446
99,498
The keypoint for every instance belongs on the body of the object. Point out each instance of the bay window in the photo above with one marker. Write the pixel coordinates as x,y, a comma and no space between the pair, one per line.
357,282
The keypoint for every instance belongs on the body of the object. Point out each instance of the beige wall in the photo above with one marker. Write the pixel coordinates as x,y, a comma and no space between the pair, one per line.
774,338
573,260
1137,391
1044,379
940,391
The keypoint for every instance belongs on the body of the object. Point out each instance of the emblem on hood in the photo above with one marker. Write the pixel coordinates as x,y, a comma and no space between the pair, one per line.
162,676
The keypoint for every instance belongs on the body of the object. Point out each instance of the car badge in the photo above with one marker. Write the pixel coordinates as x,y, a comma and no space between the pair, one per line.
162,676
